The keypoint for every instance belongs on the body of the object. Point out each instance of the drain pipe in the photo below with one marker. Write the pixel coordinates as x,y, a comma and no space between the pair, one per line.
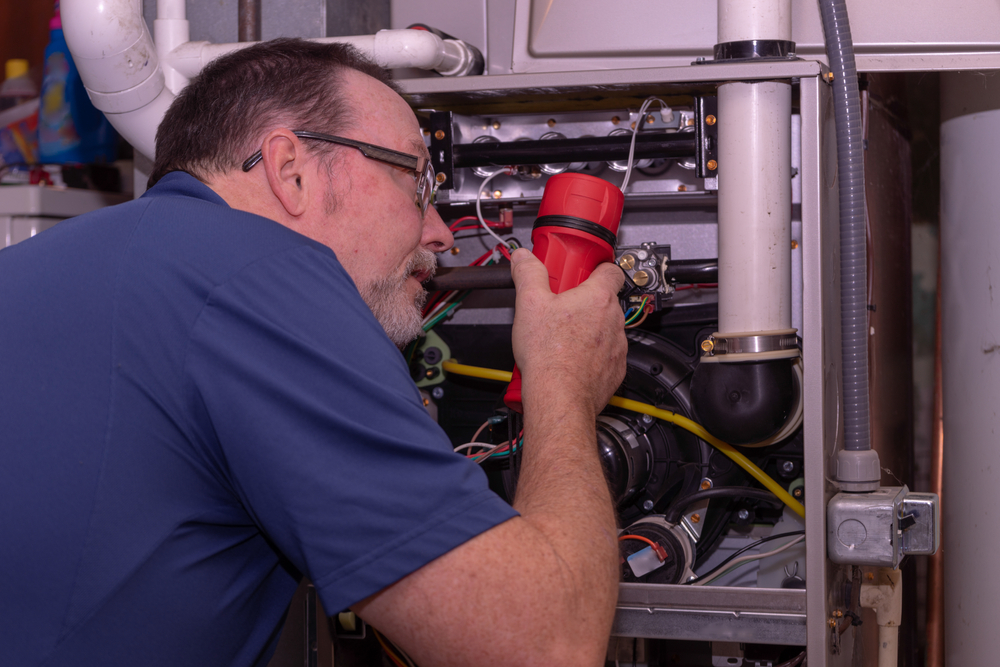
883,592
858,468
742,388
134,81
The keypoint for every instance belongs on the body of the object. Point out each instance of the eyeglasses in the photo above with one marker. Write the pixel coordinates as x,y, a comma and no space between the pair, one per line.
418,164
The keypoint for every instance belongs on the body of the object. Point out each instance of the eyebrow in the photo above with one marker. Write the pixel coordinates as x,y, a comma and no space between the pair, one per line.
419,147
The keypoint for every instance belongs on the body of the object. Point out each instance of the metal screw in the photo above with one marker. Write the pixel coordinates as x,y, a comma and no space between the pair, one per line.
650,119
795,244
437,393
427,402
615,120
832,622
647,419
838,614
647,505
787,466
743,515
712,165
829,77
797,492
642,254
640,278
706,484
496,125
439,135
695,518
690,121
440,177
627,262
497,194
707,345
709,119
682,188
455,250
551,122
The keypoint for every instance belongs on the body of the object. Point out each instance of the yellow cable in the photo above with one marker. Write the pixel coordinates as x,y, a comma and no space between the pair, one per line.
476,371
665,415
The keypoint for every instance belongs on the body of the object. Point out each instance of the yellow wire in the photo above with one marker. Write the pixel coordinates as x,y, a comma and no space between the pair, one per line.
667,416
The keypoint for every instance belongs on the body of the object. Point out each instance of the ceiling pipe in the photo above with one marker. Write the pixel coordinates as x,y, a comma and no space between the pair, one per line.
134,80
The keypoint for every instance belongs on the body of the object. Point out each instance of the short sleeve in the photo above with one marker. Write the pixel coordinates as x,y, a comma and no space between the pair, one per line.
321,432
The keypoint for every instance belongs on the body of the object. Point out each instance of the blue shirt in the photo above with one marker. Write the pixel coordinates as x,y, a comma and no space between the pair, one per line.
196,408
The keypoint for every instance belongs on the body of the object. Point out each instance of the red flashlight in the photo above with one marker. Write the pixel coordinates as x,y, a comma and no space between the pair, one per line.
575,231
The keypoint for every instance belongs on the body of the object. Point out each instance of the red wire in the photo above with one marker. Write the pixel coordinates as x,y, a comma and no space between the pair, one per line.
660,552
489,223
503,250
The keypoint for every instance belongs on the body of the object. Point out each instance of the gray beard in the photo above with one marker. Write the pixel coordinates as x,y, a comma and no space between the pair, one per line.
399,316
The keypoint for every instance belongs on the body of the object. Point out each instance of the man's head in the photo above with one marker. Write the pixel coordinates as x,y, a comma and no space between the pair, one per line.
255,100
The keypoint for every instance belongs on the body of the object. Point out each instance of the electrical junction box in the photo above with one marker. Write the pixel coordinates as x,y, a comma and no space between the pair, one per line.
881,527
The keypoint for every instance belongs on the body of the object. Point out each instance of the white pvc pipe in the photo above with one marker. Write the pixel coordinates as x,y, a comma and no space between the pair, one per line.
740,20
171,29
755,207
970,320
119,66
134,81
391,49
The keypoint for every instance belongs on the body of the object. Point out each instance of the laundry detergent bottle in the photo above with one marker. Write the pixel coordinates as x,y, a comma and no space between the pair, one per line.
70,129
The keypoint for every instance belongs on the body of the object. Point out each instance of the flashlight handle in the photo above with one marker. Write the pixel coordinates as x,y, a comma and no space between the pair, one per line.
570,256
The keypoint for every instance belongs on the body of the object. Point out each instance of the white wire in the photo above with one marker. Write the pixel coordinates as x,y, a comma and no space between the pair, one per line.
750,557
635,132
470,445
479,210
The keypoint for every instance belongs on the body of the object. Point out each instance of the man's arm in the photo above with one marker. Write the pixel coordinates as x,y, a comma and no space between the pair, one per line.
539,588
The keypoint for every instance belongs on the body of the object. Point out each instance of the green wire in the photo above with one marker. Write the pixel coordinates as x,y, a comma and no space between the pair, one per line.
638,311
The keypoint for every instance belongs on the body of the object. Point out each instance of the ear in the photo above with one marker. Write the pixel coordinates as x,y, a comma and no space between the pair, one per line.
284,162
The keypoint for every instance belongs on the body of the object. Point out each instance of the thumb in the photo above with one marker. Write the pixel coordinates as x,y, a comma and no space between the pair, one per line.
609,276
528,271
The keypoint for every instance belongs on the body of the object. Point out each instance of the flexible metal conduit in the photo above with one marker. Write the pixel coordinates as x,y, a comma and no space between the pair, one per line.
853,274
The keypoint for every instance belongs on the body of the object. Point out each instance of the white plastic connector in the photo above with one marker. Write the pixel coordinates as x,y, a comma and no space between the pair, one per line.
858,471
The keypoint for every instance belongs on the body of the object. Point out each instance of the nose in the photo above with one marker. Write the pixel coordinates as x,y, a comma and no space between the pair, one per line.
436,235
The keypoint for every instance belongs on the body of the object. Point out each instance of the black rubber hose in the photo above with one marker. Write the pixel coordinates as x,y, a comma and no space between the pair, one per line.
686,271
676,509
853,263
450,278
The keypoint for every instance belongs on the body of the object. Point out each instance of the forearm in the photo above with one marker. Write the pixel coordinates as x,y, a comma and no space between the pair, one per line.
562,493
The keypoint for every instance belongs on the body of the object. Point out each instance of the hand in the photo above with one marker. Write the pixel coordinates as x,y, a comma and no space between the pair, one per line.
570,345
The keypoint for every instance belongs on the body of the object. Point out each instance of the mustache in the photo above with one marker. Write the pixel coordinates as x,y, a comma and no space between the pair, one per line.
423,260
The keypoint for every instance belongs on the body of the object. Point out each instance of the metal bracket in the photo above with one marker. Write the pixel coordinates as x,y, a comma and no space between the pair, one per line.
442,148
706,126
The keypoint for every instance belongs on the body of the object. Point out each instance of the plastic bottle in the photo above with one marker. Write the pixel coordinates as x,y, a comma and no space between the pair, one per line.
17,87
70,129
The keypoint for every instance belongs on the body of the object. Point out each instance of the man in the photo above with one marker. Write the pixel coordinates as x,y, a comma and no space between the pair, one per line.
198,407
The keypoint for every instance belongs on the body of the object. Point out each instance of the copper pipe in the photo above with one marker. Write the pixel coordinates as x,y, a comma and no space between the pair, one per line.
248,12
935,567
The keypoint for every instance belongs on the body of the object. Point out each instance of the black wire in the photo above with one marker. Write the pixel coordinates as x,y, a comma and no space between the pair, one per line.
740,552
676,510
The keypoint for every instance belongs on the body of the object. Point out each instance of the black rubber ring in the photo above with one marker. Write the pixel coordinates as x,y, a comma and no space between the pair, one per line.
754,48
579,224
